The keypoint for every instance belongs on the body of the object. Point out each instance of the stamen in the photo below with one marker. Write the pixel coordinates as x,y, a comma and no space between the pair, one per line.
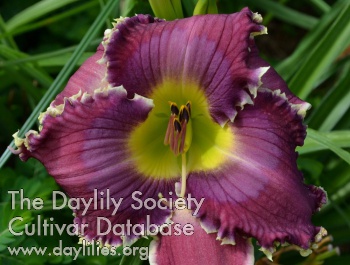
169,130
174,145
183,137
173,141
179,132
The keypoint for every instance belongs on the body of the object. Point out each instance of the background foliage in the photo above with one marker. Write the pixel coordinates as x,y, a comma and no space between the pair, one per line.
41,42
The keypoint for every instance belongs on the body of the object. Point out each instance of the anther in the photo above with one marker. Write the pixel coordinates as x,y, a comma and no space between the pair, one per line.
177,125
174,109
188,105
184,114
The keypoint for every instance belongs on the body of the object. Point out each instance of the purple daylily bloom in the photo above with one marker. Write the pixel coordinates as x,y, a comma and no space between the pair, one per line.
186,103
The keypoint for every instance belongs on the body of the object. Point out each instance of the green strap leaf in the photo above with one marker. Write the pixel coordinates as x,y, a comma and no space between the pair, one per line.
336,113
334,41
289,66
338,138
321,5
38,58
333,105
35,11
7,213
205,7
31,70
127,7
4,37
52,19
167,9
65,73
321,139
285,13
188,7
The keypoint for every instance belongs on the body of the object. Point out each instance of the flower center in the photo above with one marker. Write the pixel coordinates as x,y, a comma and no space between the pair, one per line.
179,131
176,140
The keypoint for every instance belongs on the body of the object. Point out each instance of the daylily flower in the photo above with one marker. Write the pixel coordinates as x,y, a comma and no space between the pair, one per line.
186,103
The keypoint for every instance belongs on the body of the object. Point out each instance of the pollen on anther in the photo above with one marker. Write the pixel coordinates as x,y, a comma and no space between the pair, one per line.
184,114
173,108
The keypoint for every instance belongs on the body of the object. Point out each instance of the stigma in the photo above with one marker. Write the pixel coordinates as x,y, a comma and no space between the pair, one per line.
179,131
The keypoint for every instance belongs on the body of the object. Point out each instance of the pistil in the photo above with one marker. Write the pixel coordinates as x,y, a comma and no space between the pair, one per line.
183,175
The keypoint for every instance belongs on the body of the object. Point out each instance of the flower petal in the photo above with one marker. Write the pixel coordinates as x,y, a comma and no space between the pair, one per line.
212,51
86,79
259,191
271,79
85,147
198,248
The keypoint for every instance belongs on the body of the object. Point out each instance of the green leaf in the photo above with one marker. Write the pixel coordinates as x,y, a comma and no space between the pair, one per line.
6,236
312,167
65,73
205,7
326,142
336,113
188,7
167,9
35,11
127,7
285,13
38,58
52,19
338,138
62,60
7,40
320,58
341,193
321,5
33,71
331,101
289,66
25,82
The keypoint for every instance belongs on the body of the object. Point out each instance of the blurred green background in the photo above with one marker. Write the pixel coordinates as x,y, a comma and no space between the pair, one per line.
42,42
